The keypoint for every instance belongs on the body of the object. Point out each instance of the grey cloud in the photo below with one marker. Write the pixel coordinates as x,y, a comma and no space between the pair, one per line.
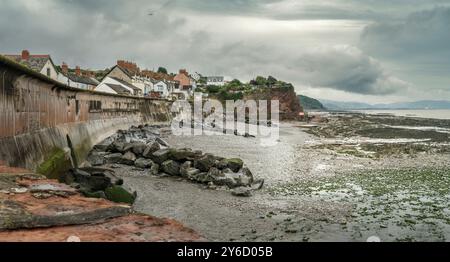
424,34
190,34
379,10
347,69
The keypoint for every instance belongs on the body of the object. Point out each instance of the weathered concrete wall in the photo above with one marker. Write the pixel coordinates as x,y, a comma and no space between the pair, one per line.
39,117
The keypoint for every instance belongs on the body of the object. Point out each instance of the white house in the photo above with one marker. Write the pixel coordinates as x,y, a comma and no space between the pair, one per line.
144,83
161,87
115,85
39,63
77,80
215,80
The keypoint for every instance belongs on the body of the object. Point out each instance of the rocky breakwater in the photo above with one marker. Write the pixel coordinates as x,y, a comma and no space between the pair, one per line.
144,148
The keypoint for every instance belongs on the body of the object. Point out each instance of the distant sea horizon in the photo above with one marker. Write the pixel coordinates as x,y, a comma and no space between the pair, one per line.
421,113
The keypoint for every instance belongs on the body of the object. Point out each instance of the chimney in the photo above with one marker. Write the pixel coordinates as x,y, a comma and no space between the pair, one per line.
77,71
25,55
65,68
183,71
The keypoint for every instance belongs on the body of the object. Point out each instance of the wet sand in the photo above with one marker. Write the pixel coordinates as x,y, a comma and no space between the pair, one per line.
289,208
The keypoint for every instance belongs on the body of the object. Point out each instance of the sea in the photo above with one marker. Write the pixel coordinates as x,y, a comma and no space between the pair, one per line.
421,113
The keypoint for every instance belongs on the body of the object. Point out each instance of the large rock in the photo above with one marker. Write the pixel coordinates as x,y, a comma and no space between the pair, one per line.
160,156
116,147
96,158
235,164
171,167
182,154
119,195
143,163
205,162
89,182
187,171
150,149
128,159
139,148
226,180
215,173
201,178
242,178
154,170
113,158
162,142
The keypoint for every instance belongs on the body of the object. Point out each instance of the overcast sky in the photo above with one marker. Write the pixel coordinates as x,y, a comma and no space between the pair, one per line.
365,50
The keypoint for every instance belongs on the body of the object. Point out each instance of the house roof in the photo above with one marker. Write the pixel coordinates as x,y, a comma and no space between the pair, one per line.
35,62
119,89
82,79
125,83
127,72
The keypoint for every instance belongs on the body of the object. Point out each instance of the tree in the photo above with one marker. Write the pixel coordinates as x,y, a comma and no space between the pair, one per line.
261,81
162,70
271,81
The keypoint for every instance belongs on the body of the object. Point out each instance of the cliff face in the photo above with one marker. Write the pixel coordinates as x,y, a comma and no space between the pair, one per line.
290,107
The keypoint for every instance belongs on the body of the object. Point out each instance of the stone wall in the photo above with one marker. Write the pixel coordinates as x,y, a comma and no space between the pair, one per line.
40,118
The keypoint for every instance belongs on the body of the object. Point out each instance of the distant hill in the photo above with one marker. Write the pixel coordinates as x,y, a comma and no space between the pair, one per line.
309,103
425,104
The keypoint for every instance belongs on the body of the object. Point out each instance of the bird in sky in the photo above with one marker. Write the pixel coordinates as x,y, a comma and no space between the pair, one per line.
152,12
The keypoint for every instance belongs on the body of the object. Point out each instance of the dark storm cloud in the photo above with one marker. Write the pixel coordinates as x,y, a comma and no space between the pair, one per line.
347,69
423,34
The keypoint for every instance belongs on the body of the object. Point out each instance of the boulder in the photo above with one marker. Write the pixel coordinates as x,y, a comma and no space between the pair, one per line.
113,158
242,178
171,167
242,192
143,163
215,173
116,147
187,171
150,149
162,142
139,148
235,164
97,181
205,162
184,168
154,170
160,156
97,158
201,178
182,154
128,147
119,195
226,180
128,159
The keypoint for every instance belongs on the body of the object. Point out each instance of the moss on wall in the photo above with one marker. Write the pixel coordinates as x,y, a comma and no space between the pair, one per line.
55,164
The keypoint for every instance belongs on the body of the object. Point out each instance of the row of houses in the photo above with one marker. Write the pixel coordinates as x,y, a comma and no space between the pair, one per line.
44,64
124,78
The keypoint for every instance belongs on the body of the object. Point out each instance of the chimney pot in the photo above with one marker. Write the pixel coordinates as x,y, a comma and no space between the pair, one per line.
77,71
25,54
65,68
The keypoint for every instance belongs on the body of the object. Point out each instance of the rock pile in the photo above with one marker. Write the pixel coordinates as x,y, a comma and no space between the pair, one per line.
143,147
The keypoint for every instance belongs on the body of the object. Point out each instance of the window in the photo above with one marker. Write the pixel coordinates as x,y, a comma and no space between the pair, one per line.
77,105
48,72
95,106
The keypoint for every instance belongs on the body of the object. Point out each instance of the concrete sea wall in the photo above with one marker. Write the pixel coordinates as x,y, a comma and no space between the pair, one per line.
41,119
